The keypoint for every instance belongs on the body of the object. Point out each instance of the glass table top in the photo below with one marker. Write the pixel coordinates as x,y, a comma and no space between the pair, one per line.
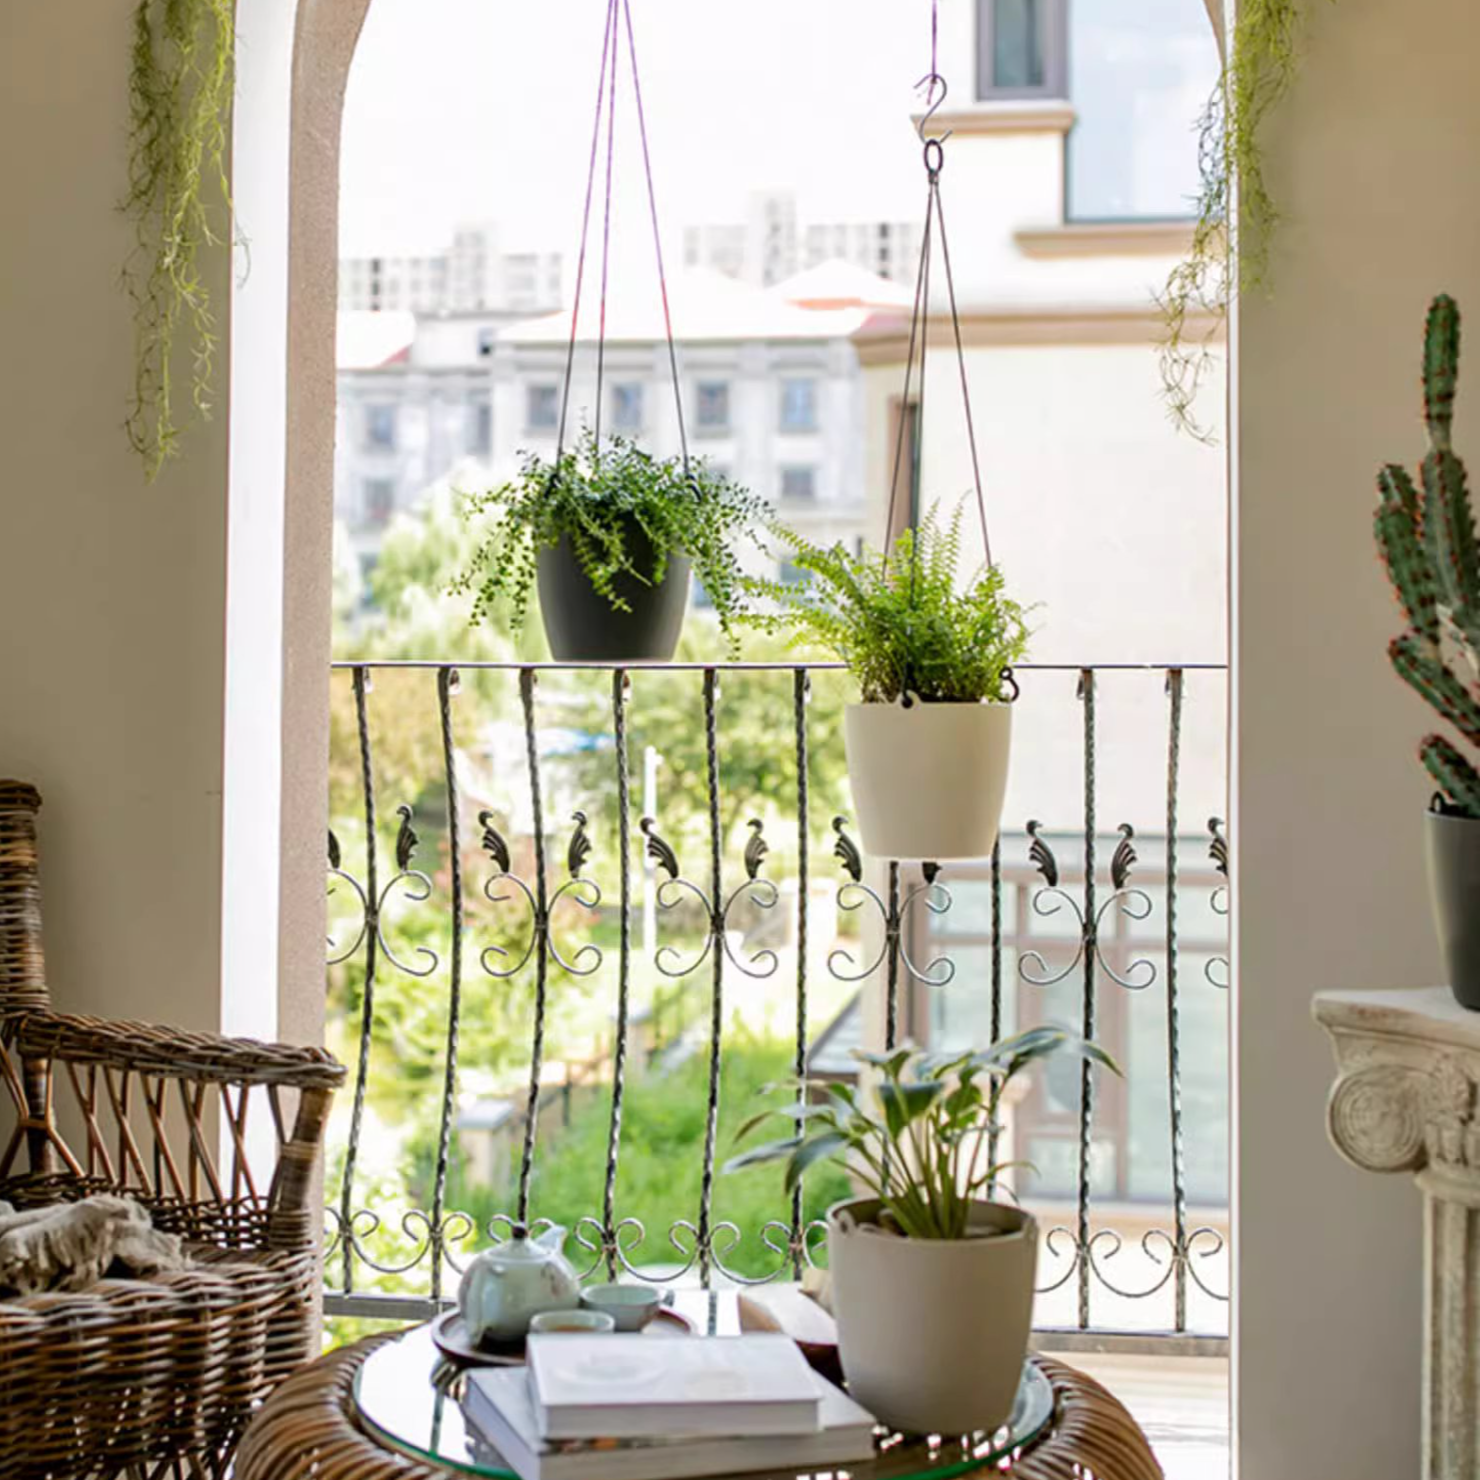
407,1396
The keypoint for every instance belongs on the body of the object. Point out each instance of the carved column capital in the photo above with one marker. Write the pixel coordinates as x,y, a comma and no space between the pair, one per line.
1408,1064
1376,1118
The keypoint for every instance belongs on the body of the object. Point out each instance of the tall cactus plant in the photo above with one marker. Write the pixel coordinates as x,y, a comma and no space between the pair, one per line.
1427,539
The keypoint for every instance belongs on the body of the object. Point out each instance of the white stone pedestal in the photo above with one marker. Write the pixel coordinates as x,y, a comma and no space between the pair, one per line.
1405,1101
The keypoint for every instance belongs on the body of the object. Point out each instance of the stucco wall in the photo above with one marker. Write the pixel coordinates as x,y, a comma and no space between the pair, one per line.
1372,162
111,592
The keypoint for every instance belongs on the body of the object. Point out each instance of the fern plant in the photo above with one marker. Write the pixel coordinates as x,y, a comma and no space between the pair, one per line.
898,619
180,89
599,498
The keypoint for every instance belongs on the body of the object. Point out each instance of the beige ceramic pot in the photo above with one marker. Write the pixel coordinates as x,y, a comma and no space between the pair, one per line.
933,1333
928,779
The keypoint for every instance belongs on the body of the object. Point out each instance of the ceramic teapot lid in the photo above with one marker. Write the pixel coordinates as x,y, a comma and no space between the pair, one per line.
522,1249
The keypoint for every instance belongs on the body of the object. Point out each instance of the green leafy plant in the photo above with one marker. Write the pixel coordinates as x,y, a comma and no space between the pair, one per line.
923,1137
1258,70
598,497
180,90
1427,540
897,619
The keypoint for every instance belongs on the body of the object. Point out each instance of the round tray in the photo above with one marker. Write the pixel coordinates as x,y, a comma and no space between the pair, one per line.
405,1395
450,1334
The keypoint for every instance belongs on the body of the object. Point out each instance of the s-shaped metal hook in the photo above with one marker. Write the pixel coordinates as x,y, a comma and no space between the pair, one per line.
934,155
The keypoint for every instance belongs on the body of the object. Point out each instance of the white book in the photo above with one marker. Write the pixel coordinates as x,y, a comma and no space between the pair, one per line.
632,1387
499,1408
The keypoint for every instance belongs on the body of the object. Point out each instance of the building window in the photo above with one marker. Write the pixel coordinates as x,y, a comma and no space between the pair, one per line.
626,406
379,500
480,428
799,485
1136,75
798,404
541,408
1022,48
380,428
713,409
792,575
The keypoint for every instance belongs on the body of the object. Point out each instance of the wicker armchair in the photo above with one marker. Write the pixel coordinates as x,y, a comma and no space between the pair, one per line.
219,1139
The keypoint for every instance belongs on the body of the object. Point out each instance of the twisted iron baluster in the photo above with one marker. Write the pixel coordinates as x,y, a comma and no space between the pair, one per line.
994,1133
891,1010
801,687
624,966
1086,1078
360,679
716,1020
542,947
447,686
1174,1046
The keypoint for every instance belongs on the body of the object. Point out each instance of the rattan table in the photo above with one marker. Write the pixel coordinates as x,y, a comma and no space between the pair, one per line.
313,1427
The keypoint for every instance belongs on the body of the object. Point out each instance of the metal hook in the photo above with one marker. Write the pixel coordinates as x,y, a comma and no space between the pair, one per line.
928,83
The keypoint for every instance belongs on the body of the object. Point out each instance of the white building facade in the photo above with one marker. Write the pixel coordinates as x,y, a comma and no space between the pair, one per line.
772,388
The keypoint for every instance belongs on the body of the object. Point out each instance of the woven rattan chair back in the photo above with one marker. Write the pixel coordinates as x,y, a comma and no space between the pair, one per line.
219,1138
22,965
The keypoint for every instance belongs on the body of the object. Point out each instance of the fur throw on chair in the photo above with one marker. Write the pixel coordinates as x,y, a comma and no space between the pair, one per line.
69,1246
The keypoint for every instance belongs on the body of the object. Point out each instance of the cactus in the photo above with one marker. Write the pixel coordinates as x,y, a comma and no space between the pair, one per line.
1426,535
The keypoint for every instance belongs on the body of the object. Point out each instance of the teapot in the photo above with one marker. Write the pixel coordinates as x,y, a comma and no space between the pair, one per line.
508,1284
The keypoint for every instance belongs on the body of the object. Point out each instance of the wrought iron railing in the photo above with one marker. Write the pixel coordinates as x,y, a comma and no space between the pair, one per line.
621,873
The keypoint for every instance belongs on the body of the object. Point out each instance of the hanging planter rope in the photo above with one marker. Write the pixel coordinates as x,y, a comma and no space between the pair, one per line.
607,532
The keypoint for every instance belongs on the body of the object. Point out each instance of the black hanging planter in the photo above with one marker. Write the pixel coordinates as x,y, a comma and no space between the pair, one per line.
582,625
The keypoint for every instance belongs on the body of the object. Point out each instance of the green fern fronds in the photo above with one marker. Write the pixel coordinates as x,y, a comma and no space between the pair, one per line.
898,619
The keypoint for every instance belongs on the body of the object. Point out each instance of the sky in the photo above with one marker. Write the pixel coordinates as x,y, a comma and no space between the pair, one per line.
482,109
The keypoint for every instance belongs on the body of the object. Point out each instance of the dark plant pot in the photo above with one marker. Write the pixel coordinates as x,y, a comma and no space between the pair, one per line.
582,626
1454,882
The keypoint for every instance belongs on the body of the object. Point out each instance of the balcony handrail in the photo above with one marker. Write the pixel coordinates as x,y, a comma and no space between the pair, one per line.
727,665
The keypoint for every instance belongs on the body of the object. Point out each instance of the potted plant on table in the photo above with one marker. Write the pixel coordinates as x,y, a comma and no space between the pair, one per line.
1428,543
932,1279
928,747
609,534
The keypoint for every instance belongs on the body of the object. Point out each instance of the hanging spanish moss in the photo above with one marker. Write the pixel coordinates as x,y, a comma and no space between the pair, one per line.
179,198
1257,73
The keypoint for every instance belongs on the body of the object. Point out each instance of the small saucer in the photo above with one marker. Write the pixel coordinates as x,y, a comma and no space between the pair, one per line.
450,1333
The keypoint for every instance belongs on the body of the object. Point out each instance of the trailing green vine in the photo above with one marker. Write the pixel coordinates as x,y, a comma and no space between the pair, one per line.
1257,73
180,90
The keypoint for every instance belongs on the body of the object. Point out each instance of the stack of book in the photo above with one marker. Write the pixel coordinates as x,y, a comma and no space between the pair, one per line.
624,1407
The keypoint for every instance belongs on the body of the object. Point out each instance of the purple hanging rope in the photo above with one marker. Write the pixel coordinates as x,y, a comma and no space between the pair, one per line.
575,311
618,17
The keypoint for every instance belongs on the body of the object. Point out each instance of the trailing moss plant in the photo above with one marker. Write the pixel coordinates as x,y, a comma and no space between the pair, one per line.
597,497
179,199
1258,70
898,620
921,1139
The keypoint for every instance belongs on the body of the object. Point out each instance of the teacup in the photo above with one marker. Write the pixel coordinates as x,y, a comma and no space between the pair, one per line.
571,1323
631,1307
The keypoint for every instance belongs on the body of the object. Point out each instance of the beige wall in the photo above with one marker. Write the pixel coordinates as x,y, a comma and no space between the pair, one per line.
111,593
1373,162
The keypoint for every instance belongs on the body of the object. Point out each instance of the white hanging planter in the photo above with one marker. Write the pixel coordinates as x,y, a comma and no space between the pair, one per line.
928,779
